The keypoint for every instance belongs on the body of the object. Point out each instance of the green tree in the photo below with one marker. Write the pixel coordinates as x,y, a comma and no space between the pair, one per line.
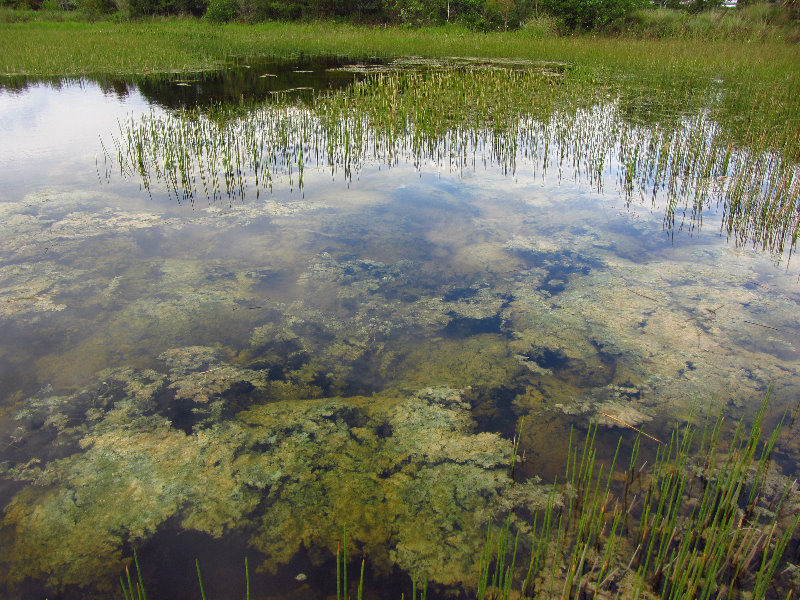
501,10
589,14
417,12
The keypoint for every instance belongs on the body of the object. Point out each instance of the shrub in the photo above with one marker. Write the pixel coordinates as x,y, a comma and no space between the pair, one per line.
416,13
575,15
23,4
792,9
222,11
753,22
264,10
657,23
540,26
12,15
139,8
93,9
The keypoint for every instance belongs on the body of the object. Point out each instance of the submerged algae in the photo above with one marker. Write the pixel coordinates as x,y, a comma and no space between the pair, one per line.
577,308
423,486
653,334
125,484
272,431
406,475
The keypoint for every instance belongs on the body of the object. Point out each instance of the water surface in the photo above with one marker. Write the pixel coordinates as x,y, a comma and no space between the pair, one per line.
247,375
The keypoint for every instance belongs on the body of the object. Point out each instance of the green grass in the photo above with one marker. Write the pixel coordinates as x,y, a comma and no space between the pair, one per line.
74,48
755,23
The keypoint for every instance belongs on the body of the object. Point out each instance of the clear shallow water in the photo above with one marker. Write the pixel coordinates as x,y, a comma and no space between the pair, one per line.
51,135
251,377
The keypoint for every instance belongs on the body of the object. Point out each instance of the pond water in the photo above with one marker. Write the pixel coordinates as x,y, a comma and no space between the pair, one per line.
214,376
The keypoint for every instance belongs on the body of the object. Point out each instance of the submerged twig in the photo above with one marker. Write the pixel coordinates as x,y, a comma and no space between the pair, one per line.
642,295
632,427
761,325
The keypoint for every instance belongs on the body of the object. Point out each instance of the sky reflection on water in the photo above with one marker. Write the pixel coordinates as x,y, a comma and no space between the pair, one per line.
153,351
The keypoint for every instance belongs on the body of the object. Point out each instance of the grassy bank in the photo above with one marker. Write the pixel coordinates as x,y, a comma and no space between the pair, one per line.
764,77
79,48
753,23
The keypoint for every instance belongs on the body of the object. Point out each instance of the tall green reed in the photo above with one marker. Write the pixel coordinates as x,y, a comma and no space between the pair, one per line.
131,590
705,521
674,148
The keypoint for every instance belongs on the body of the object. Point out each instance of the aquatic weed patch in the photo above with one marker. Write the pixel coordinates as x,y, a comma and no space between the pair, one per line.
679,149
284,471
706,519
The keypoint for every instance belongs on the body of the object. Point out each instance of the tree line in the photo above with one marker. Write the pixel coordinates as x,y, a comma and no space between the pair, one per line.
481,15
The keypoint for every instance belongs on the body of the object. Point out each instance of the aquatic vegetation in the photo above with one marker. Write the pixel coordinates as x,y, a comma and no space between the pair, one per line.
706,519
285,471
547,120
242,365
515,317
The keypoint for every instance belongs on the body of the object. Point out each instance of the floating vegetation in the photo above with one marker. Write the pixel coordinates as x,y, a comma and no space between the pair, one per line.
285,473
704,521
668,147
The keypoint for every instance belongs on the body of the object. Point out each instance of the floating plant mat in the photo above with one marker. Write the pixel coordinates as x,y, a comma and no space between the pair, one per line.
347,313
421,480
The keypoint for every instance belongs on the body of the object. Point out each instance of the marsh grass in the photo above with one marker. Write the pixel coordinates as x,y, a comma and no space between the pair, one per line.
680,149
133,589
170,45
705,521
754,23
